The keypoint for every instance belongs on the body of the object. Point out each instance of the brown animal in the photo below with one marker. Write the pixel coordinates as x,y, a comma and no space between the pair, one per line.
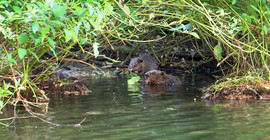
142,64
157,77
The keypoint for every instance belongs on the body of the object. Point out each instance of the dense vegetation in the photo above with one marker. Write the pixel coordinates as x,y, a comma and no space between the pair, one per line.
237,33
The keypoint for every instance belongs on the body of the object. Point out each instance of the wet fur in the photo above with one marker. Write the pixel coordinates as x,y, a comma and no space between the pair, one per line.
157,77
142,64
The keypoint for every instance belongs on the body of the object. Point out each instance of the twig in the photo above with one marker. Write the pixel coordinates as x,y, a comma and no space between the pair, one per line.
107,40
80,61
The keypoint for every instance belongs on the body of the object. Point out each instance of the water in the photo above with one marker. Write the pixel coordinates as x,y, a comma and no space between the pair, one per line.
115,111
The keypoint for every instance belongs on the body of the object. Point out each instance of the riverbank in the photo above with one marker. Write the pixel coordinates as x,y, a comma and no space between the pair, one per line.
241,88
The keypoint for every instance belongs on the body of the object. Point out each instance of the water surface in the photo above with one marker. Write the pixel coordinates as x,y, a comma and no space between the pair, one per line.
114,110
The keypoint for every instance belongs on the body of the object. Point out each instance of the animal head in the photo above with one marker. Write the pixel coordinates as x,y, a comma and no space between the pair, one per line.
136,65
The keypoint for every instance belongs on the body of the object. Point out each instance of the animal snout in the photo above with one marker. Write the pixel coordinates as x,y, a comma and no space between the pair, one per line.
147,74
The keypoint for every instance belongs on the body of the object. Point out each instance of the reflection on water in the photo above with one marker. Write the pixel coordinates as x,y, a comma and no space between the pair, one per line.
114,111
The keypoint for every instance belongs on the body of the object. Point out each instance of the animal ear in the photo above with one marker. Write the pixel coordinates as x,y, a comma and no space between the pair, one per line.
162,73
140,60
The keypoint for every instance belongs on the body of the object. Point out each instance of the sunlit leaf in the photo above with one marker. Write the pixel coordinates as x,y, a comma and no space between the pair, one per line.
144,1
1,104
35,27
74,36
37,40
233,2
22,38
68,35
54,53
52,47
184,27
2,18
265,28
217,52
22,52
255,8
44,32
133,80
51,42
108,7
58,23
17,9
86,25
82,13
126,9
195,35
95,46
96,25
29,7
83,41
59,11
11,60
53,30
76,29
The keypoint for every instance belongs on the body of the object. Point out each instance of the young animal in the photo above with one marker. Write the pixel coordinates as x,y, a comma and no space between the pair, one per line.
142,64
157,77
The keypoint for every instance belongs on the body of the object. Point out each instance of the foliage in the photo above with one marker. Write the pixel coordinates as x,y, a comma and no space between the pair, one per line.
239,30
30,30
5,93
134,78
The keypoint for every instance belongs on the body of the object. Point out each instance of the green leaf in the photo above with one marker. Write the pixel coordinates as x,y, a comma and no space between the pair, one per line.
83,41
35,27
82,13
95,46
53,51
96,25
233,2
51,42
53,30
68,35
126,9
17,9
195,35
133,80
255,8
37,40
29,7
22,52
74,36
217,52
44,32
11,60
59,11
265,28
22,38
52,47
76,29
246,17
86,25
1,104
57,23
34,55
108,7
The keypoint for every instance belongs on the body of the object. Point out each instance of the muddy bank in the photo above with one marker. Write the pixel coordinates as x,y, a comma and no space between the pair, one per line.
244,90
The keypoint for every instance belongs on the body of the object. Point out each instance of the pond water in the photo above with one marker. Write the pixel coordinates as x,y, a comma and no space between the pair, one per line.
114,110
